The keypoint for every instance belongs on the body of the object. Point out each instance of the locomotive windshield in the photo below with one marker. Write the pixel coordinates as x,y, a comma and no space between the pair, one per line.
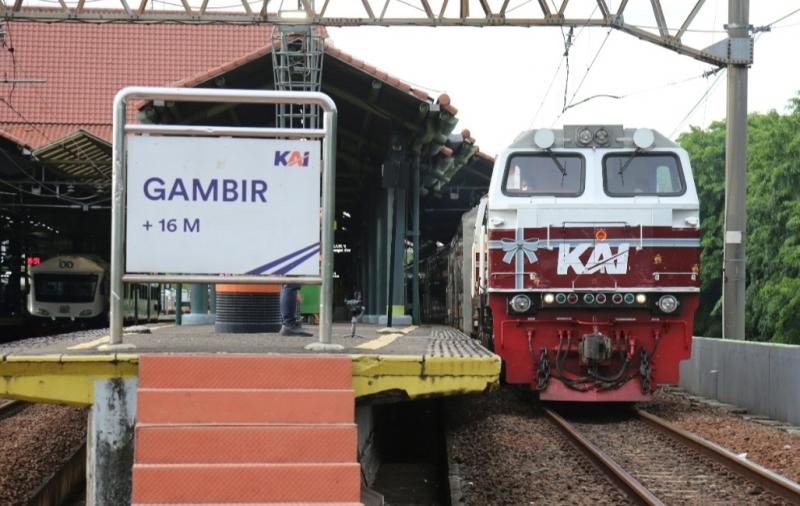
633,174
546,173
65,287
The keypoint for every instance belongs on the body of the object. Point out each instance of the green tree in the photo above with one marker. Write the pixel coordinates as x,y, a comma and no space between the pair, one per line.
773,223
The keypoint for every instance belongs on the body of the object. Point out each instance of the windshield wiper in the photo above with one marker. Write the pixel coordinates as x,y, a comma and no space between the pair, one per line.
559,165
625,165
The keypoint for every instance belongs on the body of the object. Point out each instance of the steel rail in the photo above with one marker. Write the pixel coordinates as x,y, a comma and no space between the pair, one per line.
771,481
11,407
632,487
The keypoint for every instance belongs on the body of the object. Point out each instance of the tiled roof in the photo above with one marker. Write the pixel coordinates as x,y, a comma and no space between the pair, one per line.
86,64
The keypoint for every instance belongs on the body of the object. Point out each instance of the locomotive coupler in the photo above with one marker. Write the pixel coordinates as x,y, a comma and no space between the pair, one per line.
594,348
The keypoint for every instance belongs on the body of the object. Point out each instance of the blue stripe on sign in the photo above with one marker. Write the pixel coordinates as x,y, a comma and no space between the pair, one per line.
288,267
275,263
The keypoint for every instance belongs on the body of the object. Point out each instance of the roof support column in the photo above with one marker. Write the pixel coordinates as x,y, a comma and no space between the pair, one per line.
415,238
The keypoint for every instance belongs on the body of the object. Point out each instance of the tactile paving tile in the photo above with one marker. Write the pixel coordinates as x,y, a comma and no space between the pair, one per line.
449,342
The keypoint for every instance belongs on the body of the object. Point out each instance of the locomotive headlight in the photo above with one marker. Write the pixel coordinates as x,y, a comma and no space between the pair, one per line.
520,303
549,298
641,298
668,303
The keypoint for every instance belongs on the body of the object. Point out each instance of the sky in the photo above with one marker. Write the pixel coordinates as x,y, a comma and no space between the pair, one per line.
505,80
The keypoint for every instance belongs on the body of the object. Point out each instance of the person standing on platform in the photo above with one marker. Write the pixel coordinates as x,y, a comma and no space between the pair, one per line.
290,325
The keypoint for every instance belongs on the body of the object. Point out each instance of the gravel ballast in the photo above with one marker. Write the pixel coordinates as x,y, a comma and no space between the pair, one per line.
507,452
34,443
770,447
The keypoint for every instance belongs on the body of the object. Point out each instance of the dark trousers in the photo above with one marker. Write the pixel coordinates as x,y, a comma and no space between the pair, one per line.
289,305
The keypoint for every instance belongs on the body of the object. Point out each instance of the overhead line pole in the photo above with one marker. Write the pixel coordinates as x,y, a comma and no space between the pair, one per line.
734,268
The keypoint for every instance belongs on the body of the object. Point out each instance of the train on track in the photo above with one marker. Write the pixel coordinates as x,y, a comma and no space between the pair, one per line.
580,268
76,288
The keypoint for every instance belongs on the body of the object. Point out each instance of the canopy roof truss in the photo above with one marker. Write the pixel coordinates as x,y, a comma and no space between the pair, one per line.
398,13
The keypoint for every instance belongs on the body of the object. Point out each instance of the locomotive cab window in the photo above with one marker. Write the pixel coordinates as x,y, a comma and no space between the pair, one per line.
633,174
529,174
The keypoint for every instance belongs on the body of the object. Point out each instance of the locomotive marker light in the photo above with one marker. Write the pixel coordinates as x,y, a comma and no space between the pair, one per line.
644,138
520,303
549,298
544,138
224,192
668,303
641,298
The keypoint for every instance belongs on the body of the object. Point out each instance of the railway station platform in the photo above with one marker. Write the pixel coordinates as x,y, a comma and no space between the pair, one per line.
415,361
188,408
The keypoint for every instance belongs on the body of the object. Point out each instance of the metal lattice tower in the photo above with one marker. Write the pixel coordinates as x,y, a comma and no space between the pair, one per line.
297,66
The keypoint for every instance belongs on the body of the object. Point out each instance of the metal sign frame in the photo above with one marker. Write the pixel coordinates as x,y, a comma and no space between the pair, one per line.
119,176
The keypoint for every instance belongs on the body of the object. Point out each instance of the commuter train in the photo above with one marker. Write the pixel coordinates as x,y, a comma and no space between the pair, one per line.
582,269
76,287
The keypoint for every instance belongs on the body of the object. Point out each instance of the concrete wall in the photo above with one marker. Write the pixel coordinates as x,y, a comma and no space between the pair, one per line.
763,378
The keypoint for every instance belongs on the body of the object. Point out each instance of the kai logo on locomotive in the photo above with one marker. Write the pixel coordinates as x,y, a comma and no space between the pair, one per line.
602,259
292,158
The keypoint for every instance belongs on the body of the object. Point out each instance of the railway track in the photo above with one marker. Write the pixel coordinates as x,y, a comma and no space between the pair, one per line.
656,463
10,407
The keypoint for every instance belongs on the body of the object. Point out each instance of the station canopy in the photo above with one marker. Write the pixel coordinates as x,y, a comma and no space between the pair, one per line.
56,110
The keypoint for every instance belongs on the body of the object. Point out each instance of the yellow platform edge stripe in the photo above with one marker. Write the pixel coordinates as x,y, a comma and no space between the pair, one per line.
69,379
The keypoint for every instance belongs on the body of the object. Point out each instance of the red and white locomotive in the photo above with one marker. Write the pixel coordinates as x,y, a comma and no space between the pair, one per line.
586,253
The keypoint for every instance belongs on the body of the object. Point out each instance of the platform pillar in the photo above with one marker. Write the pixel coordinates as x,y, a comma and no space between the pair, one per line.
109,443
199,307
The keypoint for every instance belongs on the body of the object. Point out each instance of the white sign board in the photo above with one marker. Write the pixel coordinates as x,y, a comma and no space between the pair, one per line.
210,205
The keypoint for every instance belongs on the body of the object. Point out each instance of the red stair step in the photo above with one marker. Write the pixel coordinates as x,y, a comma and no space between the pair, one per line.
246,483
166,444
245,406
280,372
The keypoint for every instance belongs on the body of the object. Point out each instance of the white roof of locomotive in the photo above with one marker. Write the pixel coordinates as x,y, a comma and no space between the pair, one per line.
593,205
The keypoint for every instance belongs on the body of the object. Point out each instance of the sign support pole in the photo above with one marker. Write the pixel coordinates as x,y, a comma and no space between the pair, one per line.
119,175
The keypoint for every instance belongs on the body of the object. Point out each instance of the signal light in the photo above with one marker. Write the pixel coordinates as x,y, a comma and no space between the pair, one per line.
561,298
600,298
629,298
588,298
549,298
641,298
572,298
616,298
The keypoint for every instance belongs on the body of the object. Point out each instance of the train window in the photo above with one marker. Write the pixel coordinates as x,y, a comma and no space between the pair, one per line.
560,175
632,174
65,287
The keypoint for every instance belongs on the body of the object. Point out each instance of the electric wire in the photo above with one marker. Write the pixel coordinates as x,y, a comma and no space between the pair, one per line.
702,98
10,48
588,69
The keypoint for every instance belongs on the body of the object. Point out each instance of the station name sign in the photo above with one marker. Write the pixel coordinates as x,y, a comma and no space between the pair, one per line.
210,205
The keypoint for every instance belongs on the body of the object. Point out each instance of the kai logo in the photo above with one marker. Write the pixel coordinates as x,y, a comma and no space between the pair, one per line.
602,259
291,158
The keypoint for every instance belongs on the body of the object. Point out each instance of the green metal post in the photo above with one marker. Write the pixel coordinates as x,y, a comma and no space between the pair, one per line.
415,234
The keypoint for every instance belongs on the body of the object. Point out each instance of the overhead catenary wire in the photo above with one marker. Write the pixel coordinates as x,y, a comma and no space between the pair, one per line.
702,99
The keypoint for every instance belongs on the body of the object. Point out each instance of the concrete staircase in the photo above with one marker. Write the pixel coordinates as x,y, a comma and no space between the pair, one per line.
258,429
